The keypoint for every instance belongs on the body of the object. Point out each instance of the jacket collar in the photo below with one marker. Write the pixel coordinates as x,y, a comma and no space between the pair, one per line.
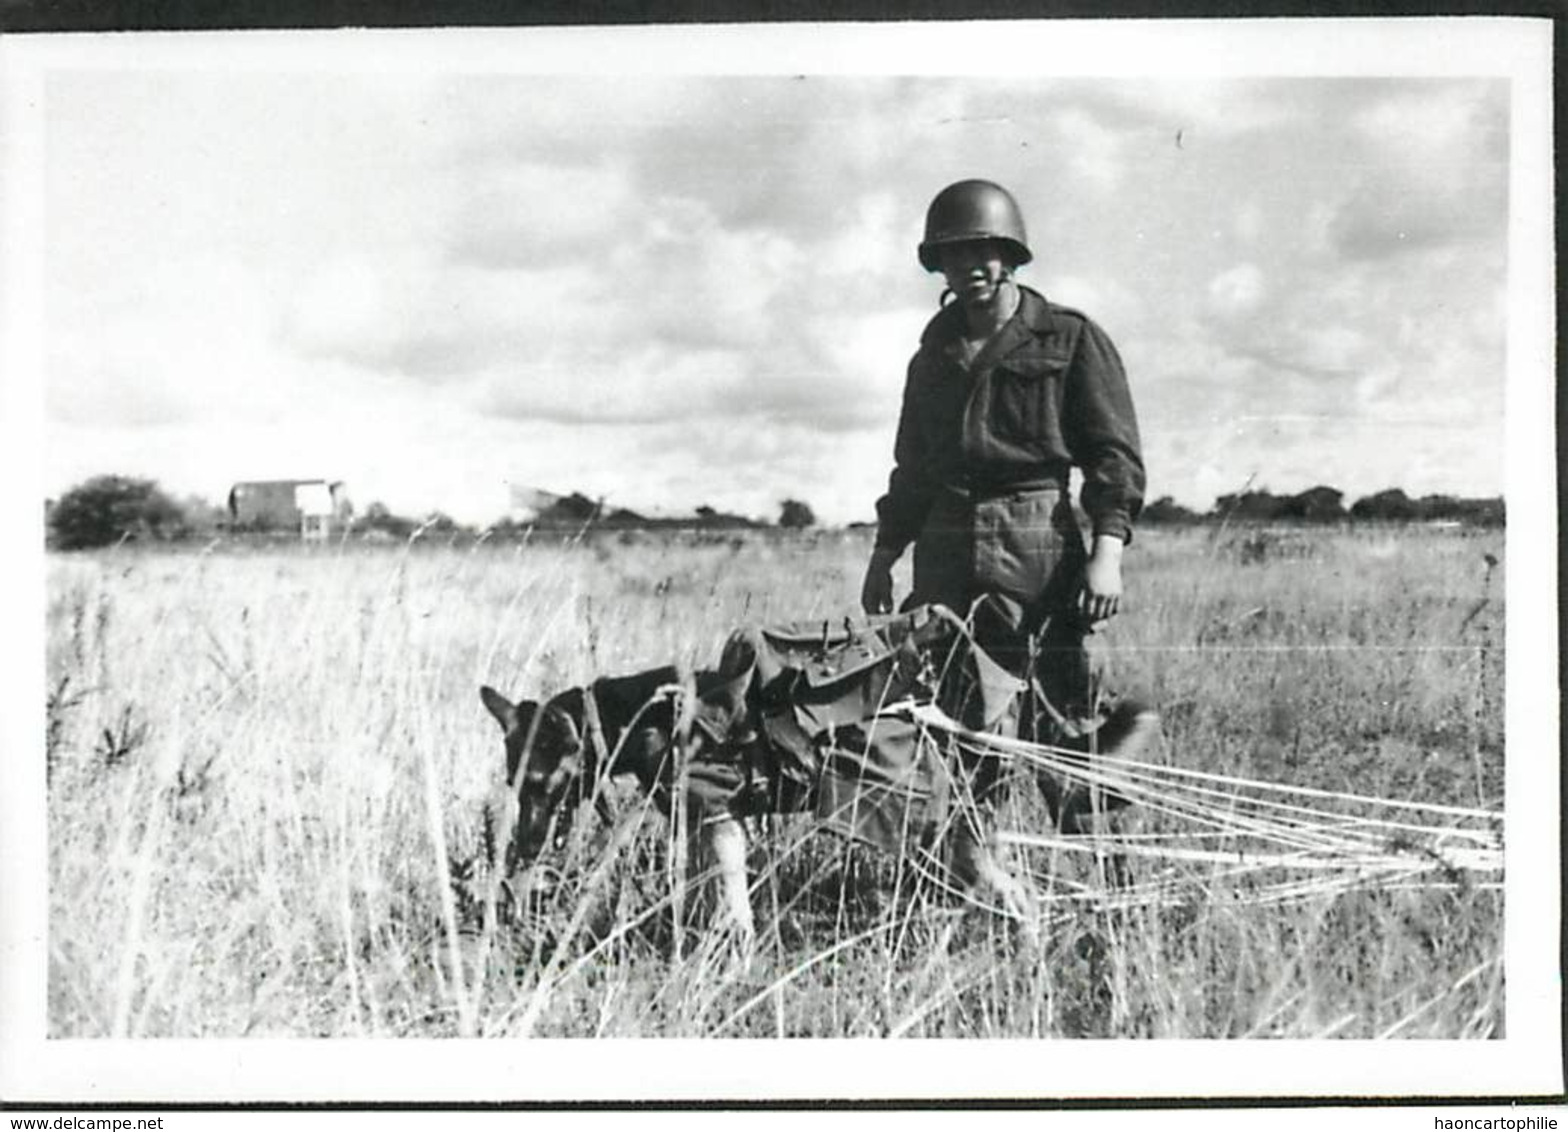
1019,341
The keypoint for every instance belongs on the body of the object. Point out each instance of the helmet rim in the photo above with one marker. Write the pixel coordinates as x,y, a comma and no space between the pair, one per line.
930,249
974,210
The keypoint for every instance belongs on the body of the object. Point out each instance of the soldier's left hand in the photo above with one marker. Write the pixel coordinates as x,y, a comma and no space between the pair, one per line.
1101,596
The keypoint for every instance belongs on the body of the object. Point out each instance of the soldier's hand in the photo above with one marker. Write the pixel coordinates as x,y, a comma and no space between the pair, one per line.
876,592
1101,595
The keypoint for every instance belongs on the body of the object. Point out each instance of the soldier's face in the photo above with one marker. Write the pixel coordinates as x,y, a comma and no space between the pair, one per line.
974,269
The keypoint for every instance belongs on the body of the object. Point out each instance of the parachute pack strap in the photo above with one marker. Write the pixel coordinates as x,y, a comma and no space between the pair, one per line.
1066,726
998,686
944,615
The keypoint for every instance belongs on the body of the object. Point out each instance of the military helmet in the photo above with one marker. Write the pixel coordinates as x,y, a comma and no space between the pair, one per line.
974,210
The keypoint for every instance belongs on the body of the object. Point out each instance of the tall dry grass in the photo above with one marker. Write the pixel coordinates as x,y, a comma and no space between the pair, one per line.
268,774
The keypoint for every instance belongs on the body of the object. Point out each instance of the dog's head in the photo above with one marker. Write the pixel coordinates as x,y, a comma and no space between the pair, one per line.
544,765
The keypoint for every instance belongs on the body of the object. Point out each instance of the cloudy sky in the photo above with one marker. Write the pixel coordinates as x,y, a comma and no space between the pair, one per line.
674,289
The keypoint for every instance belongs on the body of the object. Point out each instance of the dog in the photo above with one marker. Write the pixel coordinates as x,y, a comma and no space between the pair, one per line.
616,726
724,737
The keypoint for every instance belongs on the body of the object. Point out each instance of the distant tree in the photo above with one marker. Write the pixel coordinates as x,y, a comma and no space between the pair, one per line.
1439,507
1492,512
1392,505
106,509
379,517
1315,505
711,519
201,516
795,515
1450,508
1166,510
1255,506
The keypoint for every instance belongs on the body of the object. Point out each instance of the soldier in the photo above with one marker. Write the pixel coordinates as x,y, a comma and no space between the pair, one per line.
1005,394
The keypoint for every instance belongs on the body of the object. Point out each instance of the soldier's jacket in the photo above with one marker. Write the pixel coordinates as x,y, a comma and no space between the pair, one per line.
1047,393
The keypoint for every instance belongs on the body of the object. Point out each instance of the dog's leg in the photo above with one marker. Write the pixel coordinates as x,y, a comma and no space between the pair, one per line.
727,840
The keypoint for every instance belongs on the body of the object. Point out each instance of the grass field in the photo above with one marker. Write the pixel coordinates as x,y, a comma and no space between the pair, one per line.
268,768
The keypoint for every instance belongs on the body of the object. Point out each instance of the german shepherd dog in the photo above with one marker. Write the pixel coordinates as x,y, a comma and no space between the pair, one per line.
557,752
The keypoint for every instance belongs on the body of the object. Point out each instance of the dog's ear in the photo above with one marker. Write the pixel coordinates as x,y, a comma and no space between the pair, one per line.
504,710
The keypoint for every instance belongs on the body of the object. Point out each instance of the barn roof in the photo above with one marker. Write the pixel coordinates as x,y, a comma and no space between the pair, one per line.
287,483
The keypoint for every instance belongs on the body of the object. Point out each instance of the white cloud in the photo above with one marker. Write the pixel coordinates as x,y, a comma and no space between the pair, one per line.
1249,222
1090,149
347,304
117,376
1110,302
1439,174
1427,127
1208,110
1335,348
537,213
617,385
1238,292
181,337
552,271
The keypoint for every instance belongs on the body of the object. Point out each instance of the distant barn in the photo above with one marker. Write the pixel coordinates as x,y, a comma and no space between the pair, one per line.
313,507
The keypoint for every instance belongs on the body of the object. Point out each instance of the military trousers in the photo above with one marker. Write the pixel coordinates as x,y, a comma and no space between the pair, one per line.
1013,564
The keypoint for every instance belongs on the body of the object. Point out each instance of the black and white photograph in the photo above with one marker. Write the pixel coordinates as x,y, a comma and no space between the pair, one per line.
1033,538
